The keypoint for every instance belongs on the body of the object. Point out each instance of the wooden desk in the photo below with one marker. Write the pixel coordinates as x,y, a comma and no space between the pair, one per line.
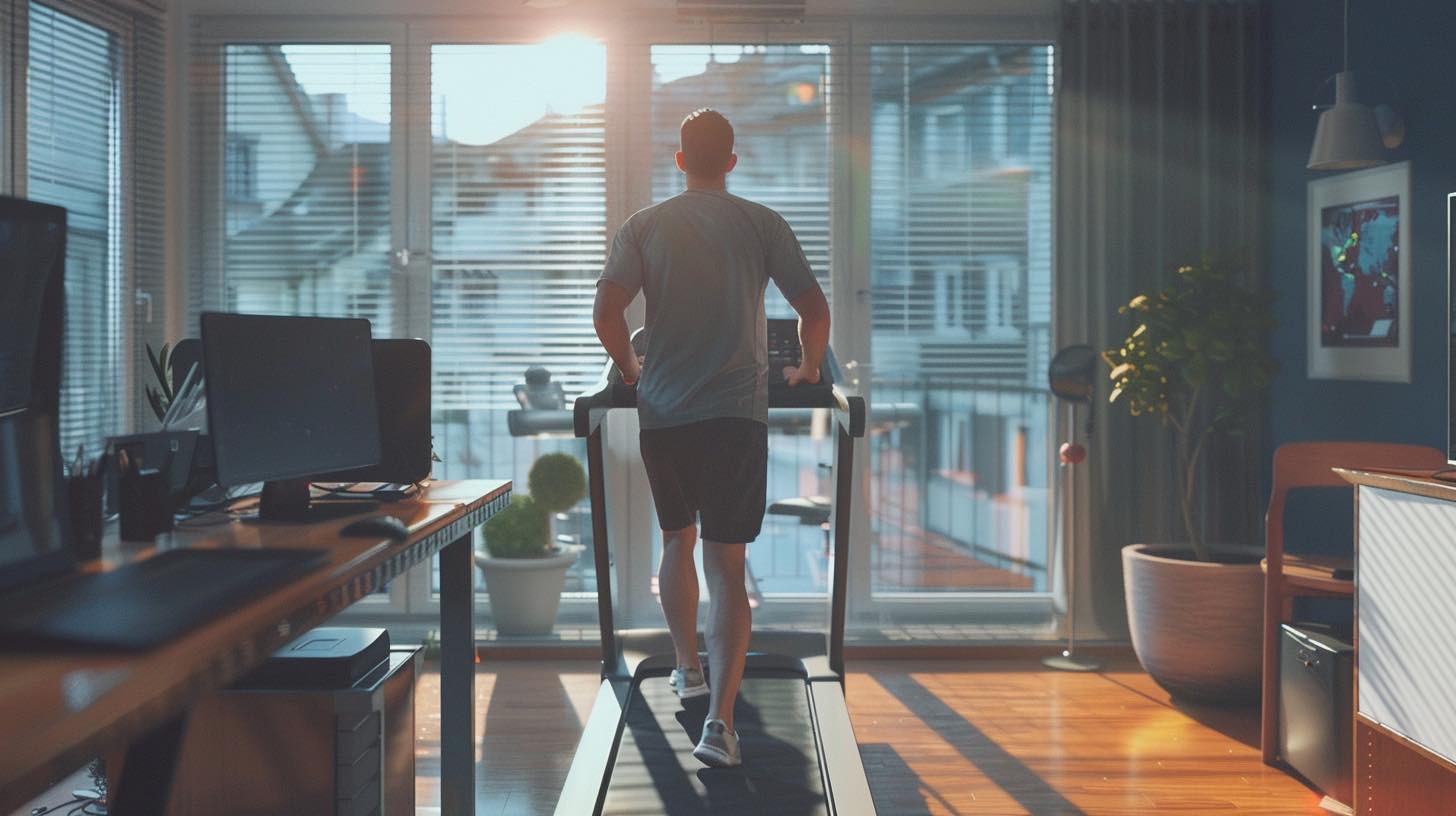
1405,616
59,710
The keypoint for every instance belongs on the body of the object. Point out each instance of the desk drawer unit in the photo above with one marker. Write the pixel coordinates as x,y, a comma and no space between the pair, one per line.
1405,607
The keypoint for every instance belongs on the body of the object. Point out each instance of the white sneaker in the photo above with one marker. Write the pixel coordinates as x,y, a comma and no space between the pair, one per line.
719,747
689,683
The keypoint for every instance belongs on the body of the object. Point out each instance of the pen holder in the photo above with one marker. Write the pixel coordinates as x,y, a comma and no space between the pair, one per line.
146,505
84,493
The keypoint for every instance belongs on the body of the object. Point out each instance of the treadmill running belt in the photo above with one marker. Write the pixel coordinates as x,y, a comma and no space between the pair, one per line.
655,771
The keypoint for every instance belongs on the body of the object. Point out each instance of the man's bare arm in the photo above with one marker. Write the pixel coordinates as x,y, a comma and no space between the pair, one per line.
610,318
813,312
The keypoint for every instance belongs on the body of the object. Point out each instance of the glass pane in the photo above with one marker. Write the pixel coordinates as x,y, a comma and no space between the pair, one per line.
960,226
518,213
73,153
778,98
306,181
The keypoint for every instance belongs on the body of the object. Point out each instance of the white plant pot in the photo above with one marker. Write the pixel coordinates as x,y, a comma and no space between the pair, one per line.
1196,626
526,592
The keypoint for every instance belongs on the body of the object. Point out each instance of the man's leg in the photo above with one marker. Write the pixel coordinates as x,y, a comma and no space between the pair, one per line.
729,624
677,586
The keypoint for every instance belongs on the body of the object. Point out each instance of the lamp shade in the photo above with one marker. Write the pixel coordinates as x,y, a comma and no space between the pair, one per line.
1348,135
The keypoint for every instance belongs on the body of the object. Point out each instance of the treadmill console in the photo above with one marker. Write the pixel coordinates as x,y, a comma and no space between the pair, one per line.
784,350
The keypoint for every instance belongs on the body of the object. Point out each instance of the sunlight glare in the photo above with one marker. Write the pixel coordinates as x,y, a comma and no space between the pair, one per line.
483,93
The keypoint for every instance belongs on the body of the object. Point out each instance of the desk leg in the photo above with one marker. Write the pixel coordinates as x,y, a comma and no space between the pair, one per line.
457,678
147,770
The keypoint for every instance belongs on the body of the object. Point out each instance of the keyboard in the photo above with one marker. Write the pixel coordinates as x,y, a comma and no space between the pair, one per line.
147,603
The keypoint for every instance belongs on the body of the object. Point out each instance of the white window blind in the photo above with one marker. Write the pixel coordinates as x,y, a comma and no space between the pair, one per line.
779,99
518,216
960,210
299,148
73,159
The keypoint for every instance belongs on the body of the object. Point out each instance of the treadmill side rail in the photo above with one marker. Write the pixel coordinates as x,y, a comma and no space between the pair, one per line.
586,780
844,774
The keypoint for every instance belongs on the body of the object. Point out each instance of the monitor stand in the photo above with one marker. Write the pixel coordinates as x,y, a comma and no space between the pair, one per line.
289,500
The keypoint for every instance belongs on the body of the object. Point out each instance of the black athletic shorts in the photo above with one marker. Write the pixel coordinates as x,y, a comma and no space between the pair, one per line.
717,468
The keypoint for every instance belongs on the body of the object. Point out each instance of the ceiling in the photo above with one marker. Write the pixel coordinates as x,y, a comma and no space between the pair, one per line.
611,8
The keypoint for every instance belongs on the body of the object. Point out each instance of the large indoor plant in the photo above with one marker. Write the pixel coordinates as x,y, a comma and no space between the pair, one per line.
1196,359
525,570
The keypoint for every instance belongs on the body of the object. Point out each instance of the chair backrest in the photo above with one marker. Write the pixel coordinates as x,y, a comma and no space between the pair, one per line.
1311,464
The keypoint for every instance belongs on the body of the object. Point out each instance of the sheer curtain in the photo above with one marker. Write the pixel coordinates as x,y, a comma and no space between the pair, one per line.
1161,158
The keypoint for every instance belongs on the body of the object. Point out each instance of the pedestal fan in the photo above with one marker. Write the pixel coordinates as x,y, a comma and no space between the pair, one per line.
1070,377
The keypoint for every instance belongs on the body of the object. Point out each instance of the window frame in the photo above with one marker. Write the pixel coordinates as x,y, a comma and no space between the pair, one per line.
628,145
207,46
940,606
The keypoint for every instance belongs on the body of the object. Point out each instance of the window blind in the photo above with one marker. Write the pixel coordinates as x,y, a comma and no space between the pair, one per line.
84,91
778,98
296,144
960,210
73,145
518,216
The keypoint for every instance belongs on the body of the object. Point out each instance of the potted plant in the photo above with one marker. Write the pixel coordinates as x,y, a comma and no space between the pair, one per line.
1196,360
524,568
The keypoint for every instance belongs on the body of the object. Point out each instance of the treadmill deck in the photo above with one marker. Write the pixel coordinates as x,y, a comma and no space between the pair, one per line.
655,771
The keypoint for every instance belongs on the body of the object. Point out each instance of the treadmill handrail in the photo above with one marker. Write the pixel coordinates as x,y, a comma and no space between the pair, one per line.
608,394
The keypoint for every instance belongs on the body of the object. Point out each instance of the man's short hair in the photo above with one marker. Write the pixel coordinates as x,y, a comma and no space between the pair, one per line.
707,142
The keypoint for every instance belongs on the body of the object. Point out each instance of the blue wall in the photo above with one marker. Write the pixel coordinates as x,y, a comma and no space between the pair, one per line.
1411,43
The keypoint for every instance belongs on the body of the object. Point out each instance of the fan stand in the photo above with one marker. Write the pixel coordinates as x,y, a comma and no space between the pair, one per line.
1070,455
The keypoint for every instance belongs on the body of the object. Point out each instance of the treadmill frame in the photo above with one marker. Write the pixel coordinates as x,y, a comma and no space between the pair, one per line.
625,664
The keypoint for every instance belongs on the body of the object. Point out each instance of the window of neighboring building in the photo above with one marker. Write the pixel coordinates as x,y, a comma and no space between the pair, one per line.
240,168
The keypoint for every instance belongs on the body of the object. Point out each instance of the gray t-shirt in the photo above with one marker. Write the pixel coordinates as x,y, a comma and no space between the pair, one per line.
704,259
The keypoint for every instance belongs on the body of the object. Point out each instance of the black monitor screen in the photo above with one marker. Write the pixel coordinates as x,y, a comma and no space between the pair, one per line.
32,509
31,247
288,397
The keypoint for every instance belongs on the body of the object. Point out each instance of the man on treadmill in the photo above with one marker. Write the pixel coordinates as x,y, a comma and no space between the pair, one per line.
703,260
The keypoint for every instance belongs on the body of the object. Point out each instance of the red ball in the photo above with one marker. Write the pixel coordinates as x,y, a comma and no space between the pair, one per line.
1071,453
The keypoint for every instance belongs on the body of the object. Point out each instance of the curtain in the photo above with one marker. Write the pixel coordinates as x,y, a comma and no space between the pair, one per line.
1161,158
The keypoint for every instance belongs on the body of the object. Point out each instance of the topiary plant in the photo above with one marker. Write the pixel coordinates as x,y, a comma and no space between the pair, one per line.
1196,359
518,530
557,482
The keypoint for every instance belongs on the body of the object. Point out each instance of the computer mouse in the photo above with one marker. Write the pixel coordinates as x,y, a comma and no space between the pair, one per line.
376,527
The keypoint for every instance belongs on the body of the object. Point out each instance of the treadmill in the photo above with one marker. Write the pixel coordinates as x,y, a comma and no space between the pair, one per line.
799,752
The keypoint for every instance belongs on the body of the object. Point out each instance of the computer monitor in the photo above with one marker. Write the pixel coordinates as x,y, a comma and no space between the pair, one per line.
289,398
34,522
402,402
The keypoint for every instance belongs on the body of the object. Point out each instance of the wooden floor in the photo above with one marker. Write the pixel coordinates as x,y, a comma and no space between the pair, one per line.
937,737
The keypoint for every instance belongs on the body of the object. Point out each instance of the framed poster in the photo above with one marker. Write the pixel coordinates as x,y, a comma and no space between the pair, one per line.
1359,275
1359,306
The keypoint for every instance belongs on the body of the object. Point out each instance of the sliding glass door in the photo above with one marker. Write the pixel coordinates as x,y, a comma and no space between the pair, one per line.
516,147
960,176
778,98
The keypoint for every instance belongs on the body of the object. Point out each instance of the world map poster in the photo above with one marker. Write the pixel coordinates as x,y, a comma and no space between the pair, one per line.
1359,274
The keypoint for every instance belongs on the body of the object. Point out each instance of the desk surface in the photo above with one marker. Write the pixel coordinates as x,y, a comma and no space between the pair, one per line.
58,710
1419,482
